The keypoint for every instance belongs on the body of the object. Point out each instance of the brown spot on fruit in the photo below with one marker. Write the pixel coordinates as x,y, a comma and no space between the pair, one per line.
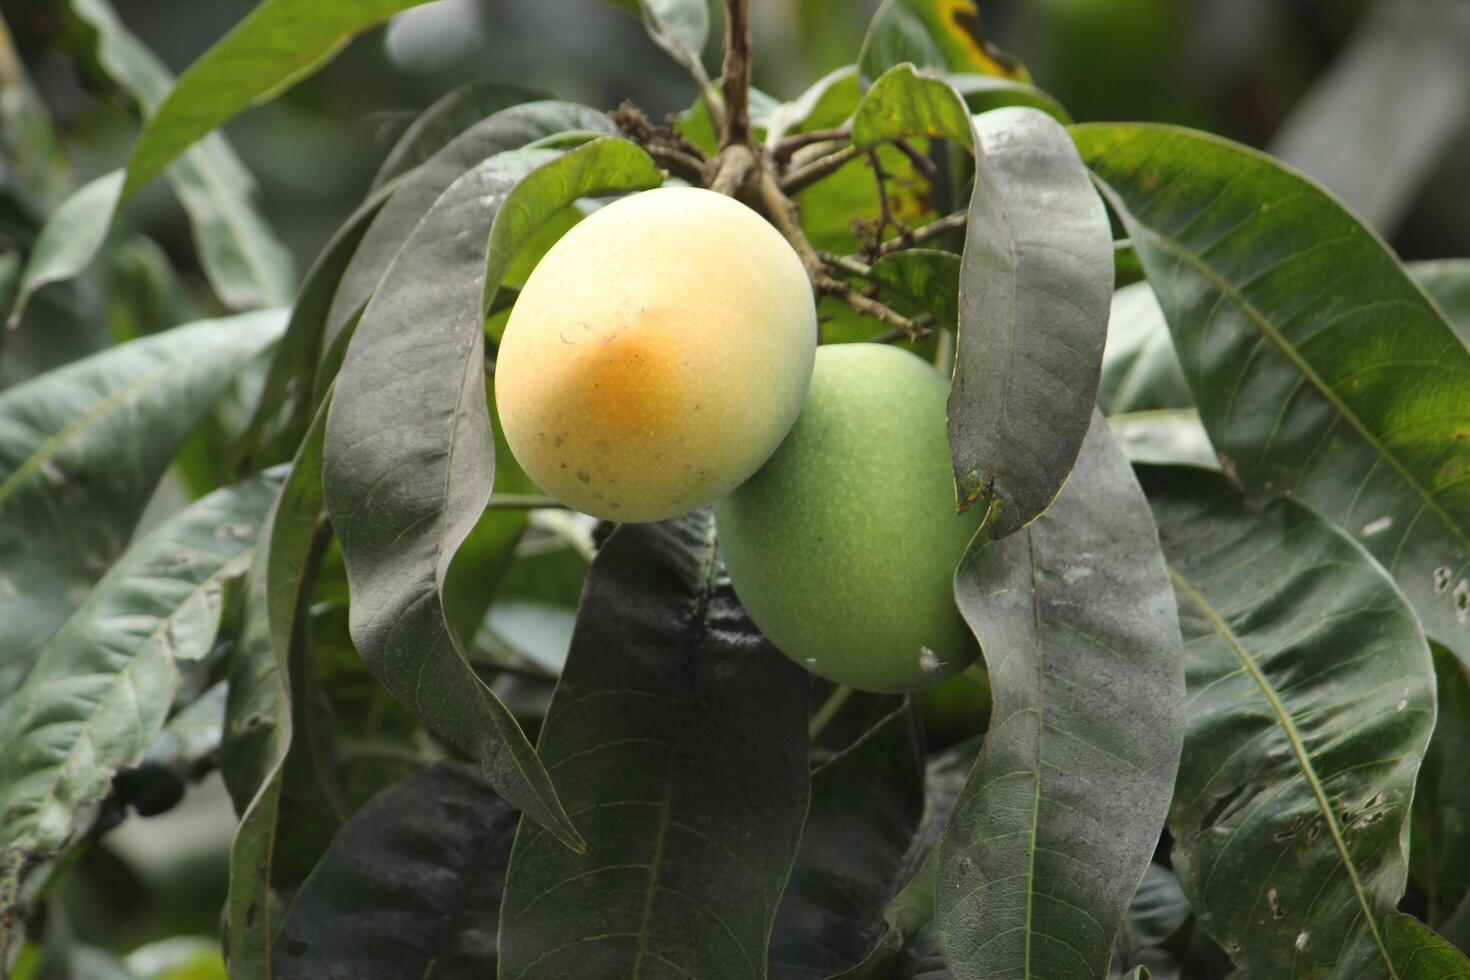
584,476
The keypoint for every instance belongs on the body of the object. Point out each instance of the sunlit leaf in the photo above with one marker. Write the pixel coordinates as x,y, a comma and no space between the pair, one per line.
903,103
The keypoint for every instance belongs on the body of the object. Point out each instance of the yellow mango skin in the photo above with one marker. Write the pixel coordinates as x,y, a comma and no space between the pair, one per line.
657,355
843,547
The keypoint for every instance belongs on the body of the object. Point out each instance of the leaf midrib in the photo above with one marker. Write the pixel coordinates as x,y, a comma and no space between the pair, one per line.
1298,748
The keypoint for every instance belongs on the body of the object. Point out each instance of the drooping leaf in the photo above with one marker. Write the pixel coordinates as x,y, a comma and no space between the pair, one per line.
1320,368
450,115
1311,703
923,276
1165,435
1350,130
903,103
678,738
1439,855
1448,282
410,887
245,262
391,227
271,45
1035,284
70,238
865,807
101,690
81,449
1061,813
1140,368
942,34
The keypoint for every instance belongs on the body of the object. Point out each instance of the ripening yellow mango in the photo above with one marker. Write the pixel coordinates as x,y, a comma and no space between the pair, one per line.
657,355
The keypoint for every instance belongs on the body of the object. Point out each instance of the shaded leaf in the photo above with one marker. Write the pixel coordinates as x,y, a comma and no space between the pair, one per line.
865,807
1439,855
681,28
1311,694
410,887
1352,393
450,115
271,45
1061,813
1035,284
391,227
923,276
1422,955
1164,435
70,238
81,449
904,103
678,739
1157,911
943,34
1140,368
1448,282
101,690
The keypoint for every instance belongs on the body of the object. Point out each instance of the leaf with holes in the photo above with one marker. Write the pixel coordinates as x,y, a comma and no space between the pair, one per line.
1035,284
1312,697
1319,367
678,740
1061,813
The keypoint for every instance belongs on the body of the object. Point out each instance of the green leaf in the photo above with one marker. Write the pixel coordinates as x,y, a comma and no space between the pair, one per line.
246,264
1439,855
1447,281
1311,700
1164,435
1420,953
866,805
258,716
923,276
81,449
1351,393
274,43
681,28
904,103
827,103
1140,368
1158,909
683,756
985,92
70,238
830,206
101,691
1035,284
449,116
942,34
505,130
410,887
1350,130
1061,813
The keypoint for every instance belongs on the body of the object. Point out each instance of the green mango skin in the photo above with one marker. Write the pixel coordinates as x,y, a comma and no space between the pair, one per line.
843,546
956,709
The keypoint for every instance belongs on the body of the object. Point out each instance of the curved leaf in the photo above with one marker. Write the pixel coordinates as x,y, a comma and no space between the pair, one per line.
450,115
410,887
70,238
681,28
81,449
409,467
865,808
1311,700
505,130
1140,368
1351,393
1448,282
1061,813
904,103
1035,284
1164,435
273,44
101,691
985,92
826,103
678,738
944,34
1439,853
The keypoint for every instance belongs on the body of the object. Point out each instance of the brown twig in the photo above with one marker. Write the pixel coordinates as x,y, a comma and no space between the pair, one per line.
783,150
817,169
736,74
921,163
668,148
924,233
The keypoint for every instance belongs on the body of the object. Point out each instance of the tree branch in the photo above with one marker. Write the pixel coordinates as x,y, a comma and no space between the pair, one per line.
736,74
924,233
817,169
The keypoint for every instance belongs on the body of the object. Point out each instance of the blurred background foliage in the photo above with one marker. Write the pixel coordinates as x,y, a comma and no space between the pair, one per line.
1372,96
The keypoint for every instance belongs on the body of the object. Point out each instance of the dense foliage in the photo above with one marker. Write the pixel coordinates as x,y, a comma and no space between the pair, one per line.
1215,435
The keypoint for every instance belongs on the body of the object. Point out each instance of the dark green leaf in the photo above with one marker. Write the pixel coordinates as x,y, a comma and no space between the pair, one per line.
1140,368
392,226
1448,282
410,887
921,958
1439,855
678,738
101,690
1035,284
70,238
1311,699
274,43
1351,130
680,27
902,103
81,449
865,807
942,34
1420,954
928,278
1060,816
1319,367
441,122
1157,911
